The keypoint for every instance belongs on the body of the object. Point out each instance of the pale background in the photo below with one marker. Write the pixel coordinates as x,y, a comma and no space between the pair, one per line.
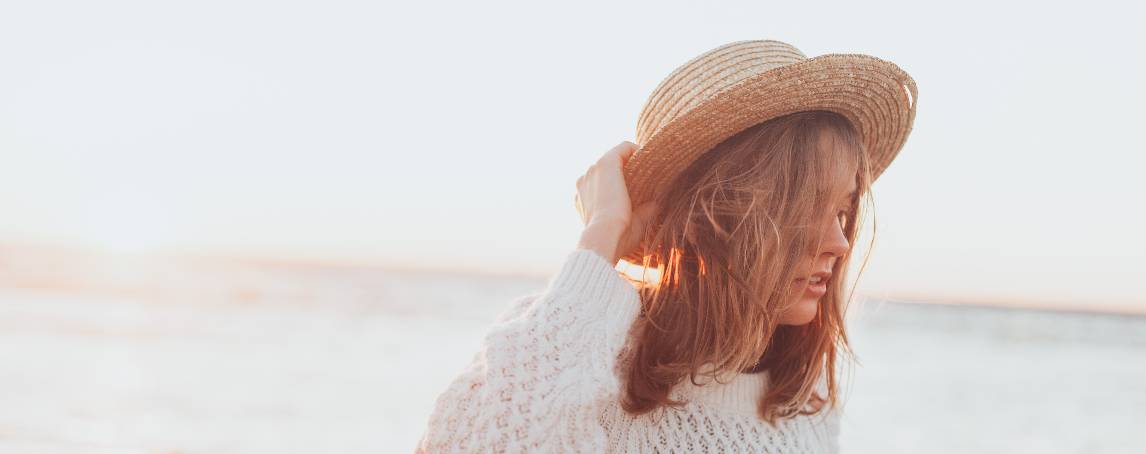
434,135
310,151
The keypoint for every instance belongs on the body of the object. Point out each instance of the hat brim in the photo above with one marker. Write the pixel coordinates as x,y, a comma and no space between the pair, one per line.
875,95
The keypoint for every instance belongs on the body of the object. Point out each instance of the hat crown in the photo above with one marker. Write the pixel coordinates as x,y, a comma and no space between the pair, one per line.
706,75
744,83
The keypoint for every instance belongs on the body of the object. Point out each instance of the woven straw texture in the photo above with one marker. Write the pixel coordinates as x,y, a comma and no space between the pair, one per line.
735,86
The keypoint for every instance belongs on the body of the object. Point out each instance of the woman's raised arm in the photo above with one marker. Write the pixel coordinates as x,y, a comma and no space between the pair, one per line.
547,369
543,376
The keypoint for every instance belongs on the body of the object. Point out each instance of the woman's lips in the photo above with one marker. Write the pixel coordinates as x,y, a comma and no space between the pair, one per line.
817,290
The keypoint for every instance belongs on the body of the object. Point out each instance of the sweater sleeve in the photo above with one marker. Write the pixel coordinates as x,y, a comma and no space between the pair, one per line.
545,369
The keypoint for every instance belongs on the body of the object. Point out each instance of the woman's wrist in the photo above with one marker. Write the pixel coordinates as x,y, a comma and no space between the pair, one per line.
602,238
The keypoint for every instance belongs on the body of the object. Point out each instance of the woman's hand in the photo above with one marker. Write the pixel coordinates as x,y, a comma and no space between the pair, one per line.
612,227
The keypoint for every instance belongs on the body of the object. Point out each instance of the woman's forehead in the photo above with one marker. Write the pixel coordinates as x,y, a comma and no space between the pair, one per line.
843,163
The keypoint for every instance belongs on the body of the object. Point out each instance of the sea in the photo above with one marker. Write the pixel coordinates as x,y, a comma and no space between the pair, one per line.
205,356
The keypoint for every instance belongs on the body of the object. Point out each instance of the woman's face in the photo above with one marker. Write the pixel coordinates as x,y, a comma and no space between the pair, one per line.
811,282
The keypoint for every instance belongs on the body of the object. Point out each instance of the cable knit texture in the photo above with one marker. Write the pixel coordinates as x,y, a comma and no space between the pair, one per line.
545,380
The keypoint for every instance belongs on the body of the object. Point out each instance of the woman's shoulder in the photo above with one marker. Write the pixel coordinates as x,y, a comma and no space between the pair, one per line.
517,307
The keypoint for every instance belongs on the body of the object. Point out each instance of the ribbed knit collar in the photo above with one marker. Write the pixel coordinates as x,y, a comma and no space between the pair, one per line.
734,392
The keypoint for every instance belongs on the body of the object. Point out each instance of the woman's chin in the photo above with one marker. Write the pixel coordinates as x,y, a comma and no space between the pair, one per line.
802,313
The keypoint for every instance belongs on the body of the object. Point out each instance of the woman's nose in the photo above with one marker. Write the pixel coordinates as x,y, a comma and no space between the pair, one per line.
835,242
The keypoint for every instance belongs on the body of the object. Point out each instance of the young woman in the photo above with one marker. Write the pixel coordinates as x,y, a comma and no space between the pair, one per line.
732,348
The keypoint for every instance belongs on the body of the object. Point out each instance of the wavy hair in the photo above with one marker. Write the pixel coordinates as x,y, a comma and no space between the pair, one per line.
732,231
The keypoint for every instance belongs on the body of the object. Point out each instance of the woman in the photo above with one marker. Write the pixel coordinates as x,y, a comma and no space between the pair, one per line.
733,347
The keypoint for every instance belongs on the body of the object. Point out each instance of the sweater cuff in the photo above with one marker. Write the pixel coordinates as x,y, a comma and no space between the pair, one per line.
589,276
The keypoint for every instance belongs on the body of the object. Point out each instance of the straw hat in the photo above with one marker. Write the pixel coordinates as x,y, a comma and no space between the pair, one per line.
735,86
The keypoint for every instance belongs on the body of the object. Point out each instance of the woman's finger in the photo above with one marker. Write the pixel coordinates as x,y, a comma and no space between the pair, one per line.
626,149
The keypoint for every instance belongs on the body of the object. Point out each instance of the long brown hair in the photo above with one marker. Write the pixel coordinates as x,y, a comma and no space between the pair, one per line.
733,230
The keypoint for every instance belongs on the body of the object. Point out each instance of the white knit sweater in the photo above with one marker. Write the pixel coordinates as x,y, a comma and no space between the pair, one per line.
545,381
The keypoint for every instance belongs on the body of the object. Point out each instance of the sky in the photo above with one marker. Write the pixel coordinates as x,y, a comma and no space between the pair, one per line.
450,135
